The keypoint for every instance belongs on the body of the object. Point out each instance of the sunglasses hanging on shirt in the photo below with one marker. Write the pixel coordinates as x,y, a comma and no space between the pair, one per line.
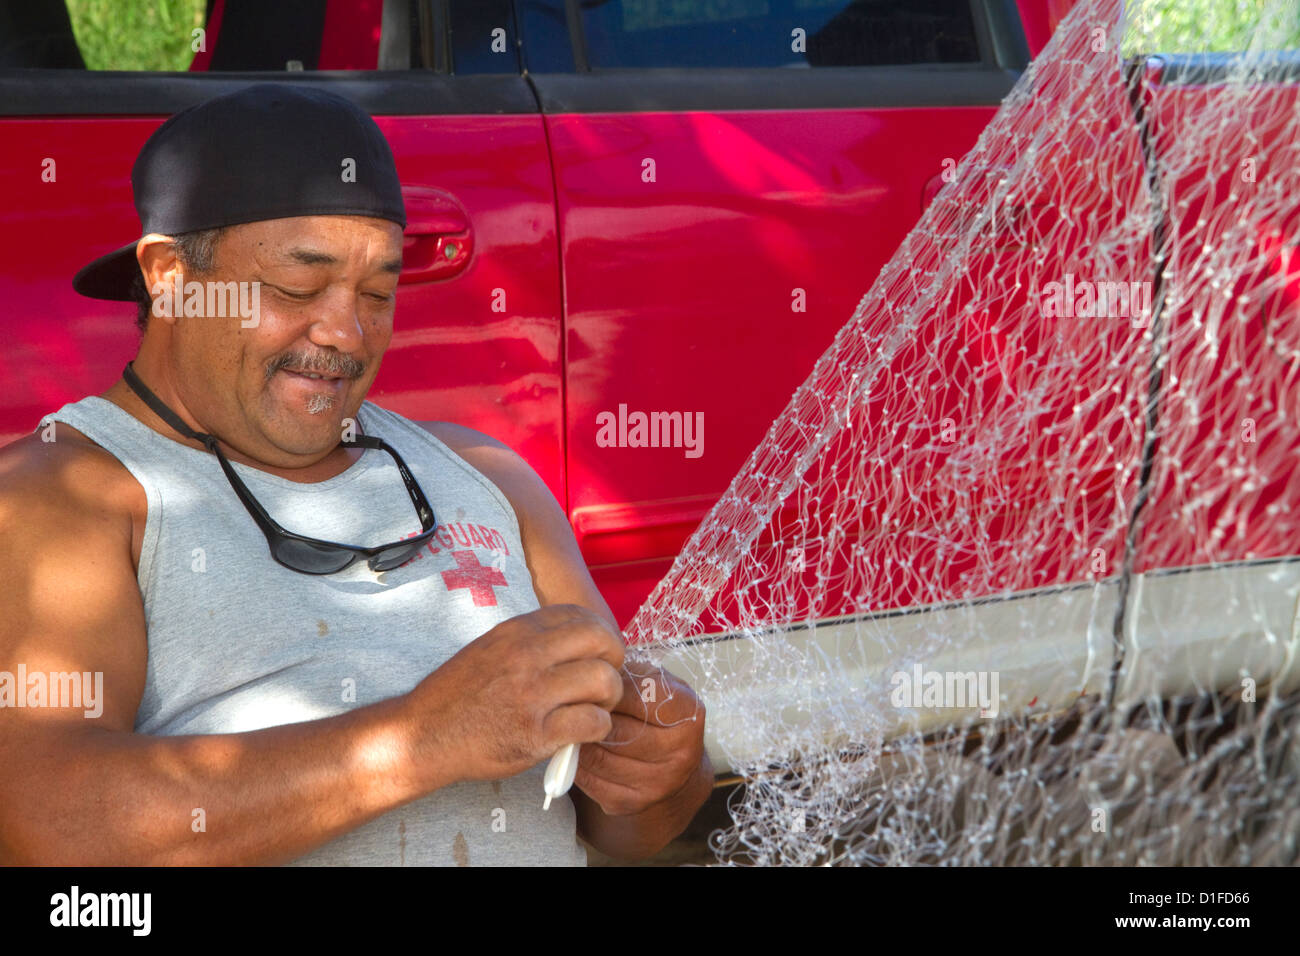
296,551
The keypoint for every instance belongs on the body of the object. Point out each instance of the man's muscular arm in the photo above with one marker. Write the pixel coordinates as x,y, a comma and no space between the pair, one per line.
639,792
88,791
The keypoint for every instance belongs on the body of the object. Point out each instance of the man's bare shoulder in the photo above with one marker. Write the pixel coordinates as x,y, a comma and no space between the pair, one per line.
70,468
496,460
44,484
460,437
72,601
535,506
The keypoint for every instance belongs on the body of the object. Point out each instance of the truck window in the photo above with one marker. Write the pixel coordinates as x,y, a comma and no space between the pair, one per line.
483,37
780,33
213,36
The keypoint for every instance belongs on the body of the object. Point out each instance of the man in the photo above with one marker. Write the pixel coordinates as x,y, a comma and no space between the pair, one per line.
327,634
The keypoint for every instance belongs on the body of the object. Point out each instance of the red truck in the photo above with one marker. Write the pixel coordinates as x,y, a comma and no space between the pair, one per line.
629,237
633,229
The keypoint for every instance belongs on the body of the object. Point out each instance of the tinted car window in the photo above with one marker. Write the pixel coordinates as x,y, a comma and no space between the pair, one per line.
483,37
762,33
545,35
212,36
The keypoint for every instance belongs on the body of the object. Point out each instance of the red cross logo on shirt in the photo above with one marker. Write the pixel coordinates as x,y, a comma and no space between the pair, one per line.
480,579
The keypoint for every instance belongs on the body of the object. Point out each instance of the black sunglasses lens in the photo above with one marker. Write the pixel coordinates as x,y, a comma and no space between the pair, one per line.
312,558
387,560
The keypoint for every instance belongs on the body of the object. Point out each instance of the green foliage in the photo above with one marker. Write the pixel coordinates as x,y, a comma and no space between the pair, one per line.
139,35
1213,26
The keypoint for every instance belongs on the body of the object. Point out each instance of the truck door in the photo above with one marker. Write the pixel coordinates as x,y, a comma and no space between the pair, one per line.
730,178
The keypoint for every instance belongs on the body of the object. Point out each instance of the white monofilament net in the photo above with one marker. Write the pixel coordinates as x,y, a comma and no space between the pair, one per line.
1048,468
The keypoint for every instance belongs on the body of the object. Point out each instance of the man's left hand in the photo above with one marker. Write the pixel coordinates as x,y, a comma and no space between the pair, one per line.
655,752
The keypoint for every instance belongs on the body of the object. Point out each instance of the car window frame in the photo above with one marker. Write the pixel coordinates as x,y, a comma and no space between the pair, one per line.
999,36
413,91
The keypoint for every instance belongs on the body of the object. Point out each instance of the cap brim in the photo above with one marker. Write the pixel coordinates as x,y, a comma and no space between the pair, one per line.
110,276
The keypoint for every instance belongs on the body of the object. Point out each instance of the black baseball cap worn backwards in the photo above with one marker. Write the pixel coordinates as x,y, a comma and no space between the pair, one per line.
267,151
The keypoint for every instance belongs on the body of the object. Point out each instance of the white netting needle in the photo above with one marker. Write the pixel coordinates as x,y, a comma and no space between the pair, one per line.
560,772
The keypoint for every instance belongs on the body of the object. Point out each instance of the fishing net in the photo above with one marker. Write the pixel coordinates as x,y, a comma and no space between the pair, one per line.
1012,579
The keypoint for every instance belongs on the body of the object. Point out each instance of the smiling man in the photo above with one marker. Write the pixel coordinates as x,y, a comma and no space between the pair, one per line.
327,634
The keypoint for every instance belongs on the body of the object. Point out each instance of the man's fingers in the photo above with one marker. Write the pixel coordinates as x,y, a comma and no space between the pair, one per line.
621,784
572,632
575,724
591,680
600,763
633,738
656,696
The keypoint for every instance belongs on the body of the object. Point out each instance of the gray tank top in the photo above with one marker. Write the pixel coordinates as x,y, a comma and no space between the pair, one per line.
237,642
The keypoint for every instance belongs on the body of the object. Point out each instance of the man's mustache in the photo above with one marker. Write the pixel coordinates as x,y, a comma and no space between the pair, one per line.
320,363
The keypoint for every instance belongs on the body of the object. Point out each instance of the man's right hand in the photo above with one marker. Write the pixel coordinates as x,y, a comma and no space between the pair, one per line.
512,697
